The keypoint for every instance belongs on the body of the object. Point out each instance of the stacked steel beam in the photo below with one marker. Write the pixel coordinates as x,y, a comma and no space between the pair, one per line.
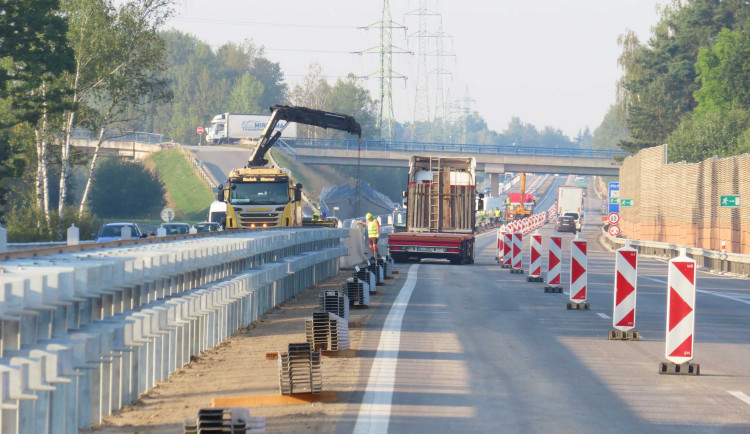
300,370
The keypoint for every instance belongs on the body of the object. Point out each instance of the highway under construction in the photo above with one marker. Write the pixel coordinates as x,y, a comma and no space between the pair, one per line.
445,348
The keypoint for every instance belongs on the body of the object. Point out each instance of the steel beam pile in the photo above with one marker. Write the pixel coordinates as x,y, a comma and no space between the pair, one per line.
327,331
366,276
357,290
300,370
224,420
377,269
85,333
335,301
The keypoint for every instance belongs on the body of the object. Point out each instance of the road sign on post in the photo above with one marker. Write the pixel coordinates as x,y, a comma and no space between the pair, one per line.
167,215
613,218
627,202
614,230
614,194
200,131
730,201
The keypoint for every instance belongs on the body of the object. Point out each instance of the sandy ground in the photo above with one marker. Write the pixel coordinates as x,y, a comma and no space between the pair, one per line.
238,367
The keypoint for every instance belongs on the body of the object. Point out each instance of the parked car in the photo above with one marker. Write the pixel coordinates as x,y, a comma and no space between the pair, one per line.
577,218
206,227
565,224
176,228
113,232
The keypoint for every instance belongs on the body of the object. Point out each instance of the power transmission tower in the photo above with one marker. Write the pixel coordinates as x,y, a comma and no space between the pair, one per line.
442,110
386,49
464,107
420,131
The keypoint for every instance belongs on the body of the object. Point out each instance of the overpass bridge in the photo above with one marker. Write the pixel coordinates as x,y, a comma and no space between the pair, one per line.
491,159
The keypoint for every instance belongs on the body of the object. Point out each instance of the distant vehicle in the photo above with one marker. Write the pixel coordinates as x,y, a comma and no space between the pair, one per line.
581,181
176,228
577,219
203,227
570,200
113,232
565,224
217,213
233,127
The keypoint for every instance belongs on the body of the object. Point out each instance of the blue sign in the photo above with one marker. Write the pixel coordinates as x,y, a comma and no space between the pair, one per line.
614,197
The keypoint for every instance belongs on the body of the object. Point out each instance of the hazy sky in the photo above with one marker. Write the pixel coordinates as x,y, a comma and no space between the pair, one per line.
550,62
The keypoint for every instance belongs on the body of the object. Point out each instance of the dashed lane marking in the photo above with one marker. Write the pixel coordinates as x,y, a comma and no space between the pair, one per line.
603,315
741,396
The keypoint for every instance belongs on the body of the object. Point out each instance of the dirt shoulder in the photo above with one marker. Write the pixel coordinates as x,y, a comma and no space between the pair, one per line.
238,367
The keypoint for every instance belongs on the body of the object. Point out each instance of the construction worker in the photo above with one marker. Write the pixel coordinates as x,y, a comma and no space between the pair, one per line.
316,216
373,230
323,216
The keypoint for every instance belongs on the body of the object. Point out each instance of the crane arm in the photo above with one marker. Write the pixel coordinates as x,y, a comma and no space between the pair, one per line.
301,115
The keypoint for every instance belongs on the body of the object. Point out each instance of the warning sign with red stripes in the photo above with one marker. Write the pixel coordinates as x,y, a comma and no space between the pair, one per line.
680,310
626,278
578,265
554,265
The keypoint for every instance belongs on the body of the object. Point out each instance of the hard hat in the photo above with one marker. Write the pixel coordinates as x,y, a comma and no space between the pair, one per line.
325,215
316,213
368,216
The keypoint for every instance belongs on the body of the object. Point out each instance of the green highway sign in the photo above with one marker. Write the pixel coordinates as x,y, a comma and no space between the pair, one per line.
614,200
730,201
627,202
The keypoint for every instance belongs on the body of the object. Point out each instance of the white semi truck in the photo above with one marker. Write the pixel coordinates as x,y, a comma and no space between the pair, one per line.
233,127
570,201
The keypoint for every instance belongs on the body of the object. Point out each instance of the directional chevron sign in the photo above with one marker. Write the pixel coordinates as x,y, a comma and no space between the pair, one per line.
680,310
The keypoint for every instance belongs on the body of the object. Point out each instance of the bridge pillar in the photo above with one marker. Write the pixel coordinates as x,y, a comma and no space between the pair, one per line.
495,184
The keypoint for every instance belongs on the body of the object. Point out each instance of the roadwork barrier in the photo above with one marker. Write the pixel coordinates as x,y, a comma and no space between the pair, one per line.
84,333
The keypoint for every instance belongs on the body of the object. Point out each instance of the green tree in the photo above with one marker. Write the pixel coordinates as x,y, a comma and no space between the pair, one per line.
611,131
246,95
348,96
721,132
125,189
33,50
272,78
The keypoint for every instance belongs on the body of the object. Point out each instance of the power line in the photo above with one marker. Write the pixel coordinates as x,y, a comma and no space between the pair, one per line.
260,24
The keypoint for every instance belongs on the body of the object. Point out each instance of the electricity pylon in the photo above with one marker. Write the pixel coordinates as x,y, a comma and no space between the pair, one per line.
421,97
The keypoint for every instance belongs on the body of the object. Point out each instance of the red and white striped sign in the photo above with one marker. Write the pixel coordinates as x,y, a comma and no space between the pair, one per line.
680,309
554,260
517,250
626,282
500,245
578,267
535,269
507,248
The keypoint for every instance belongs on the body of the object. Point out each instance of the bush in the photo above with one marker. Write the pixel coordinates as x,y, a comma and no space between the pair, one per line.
28,224
125,189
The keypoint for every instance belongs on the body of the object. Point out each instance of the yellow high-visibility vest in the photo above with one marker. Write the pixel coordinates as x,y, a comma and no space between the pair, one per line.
372,228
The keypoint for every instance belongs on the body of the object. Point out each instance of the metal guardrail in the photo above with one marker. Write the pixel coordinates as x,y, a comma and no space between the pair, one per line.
121,136
85,333
380,145
199,167
713,260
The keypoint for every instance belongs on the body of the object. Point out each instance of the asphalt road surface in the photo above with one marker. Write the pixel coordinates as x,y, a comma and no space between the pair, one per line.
475,348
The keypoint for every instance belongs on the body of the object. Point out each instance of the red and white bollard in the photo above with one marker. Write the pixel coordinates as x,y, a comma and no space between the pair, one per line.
680,317
500,246
535,269
517,253
626,285
578,273
554,264
507,250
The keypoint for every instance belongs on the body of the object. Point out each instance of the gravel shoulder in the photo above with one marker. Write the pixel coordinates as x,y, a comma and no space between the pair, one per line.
238,367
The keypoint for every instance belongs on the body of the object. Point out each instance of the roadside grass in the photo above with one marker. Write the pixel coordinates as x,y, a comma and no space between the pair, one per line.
187,194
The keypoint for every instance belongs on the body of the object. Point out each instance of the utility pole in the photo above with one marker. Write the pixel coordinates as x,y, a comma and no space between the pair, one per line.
464,107
420,131
385,50
442,110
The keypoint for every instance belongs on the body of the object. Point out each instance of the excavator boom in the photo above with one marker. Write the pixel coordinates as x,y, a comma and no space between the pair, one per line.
301,115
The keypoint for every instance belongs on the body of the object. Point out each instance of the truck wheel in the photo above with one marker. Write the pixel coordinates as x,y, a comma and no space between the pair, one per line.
399,258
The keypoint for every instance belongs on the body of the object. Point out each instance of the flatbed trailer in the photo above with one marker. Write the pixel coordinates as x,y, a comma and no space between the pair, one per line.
441,203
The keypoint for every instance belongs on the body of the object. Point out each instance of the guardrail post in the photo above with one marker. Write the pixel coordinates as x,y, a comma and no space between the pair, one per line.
3,239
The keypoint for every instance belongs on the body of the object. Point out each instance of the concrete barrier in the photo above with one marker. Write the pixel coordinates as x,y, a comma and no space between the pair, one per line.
713,260
85,333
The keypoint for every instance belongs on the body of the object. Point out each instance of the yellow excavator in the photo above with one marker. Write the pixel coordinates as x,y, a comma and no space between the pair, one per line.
517,210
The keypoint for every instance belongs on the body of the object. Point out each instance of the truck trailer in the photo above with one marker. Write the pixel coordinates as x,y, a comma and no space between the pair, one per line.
228,128
570,201
441,202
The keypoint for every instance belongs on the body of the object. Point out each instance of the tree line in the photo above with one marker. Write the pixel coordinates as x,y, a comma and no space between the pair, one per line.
689,84
103,66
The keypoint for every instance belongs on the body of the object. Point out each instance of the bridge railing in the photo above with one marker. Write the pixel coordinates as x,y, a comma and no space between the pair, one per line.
387,146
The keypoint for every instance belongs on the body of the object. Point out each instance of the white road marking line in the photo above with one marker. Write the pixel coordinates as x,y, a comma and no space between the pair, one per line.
703,291
375,412
739,395
603,315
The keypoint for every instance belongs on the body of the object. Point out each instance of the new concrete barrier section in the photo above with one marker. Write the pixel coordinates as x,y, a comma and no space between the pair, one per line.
85,333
